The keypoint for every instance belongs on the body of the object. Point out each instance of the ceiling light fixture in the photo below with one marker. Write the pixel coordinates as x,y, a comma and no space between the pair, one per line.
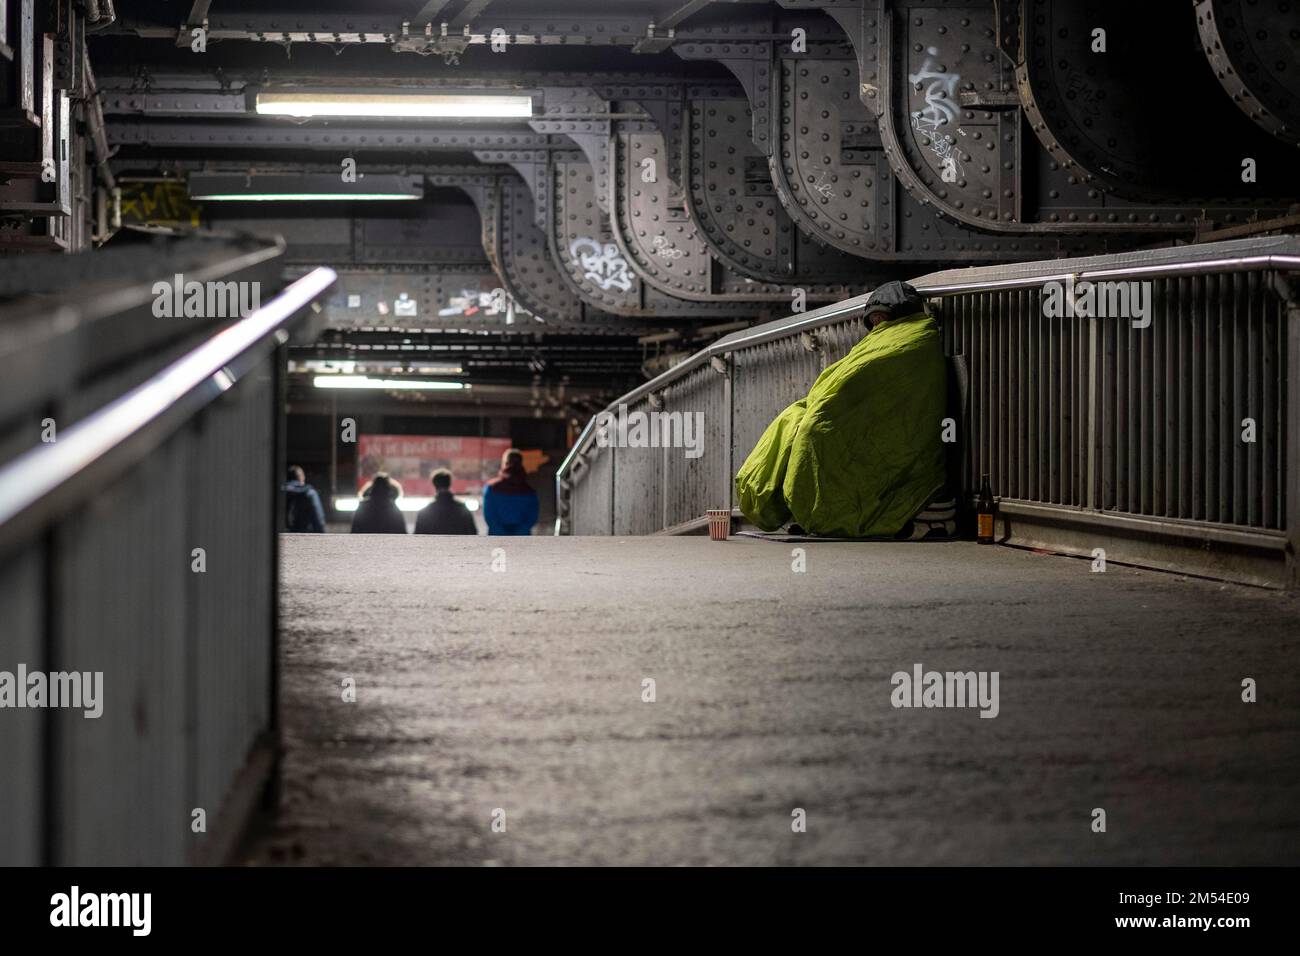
394,384
396,105
302,187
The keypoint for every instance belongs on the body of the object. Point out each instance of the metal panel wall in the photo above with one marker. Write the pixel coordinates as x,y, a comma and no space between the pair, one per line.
231,667
22,641
186,657
694,485
639,485
121,793
591,499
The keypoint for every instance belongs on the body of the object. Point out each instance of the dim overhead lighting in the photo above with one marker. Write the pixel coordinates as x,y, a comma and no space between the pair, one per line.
396,105
404,504
303,187
395,384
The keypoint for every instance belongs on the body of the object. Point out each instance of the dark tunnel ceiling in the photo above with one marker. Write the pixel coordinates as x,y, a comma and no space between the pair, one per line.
824,171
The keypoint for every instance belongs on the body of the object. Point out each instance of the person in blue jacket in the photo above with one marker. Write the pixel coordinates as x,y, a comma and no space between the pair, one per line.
302,507
509,501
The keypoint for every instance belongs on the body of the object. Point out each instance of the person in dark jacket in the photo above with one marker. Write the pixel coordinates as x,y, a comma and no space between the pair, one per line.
302,507
509,501
378,512
444,514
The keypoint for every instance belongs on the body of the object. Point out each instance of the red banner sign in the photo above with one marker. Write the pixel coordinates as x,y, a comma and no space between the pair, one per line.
412,459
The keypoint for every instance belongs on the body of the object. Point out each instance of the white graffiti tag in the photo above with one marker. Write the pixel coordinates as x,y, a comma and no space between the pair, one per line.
940,109
939,94
601,263
666,250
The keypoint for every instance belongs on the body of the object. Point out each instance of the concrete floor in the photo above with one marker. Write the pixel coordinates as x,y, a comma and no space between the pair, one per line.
521,690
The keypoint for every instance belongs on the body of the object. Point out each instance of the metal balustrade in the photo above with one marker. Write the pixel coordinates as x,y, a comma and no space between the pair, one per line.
97,538
1169,441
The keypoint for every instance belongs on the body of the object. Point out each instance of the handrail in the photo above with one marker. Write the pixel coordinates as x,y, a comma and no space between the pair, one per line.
1280,253
46,481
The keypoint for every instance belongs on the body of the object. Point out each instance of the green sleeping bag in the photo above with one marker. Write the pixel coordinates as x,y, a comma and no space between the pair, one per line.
862,453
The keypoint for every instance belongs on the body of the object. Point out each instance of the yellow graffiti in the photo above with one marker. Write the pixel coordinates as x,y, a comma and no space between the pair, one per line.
159,204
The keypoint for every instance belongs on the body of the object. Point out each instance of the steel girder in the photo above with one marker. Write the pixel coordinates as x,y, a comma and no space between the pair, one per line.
1255,51
584,234
633,138
661,232
1182,144
731,198
946,115
554,193
258,135
828,161
583,244
546,29
516,247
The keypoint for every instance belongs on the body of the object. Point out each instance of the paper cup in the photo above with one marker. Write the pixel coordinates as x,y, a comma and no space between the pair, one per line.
719,523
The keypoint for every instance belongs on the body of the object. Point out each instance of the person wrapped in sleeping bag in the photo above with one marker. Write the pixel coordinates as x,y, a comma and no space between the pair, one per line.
861,454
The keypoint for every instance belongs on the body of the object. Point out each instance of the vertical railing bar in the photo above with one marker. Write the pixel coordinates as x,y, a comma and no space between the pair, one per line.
1199,456
1094,418
1242,492
1225,393
1270,428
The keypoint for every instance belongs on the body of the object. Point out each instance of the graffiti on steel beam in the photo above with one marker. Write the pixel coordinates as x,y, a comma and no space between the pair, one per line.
940,91
601,263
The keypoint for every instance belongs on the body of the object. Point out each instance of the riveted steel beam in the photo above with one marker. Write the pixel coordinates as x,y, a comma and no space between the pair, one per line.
583,246
230,134
517,249
416,35
656,232
582,115
937,79
829,167
514,245
177,103
1181,142
531,165
1254,49
960,153
579,240
649,216
731,198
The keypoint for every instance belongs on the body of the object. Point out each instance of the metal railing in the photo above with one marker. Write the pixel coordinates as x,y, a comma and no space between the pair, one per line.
1169,441
142,543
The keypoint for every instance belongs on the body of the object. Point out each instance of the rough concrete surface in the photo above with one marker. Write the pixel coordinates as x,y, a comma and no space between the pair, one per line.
521,689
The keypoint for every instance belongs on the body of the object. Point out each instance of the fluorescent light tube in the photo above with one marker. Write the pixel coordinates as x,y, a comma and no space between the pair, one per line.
396,105
397,384
301,187
298,197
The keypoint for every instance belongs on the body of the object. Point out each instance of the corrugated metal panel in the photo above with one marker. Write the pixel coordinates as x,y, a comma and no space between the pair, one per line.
22,592
694,485
123,789
232,661
591,498
639,485
1176,397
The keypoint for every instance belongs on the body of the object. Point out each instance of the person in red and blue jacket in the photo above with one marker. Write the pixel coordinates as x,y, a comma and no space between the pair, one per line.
509,501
